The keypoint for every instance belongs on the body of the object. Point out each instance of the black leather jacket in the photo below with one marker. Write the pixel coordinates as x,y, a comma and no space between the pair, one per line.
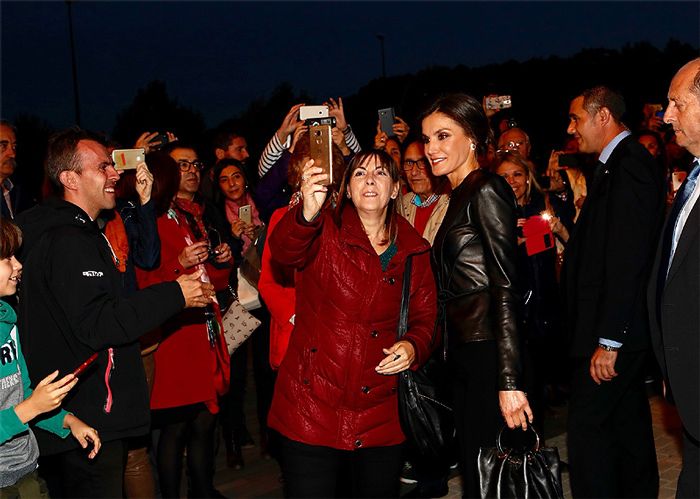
474,261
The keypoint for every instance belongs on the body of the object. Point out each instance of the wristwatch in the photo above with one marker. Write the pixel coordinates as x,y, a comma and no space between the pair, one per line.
608,348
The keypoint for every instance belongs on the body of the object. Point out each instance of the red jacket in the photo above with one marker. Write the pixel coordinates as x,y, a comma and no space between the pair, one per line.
276,286
187,369
327,391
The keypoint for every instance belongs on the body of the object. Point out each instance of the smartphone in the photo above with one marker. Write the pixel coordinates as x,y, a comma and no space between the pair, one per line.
79,370
159,140
499,102
321,149
128,159
568,160
310,112
245,214
677,179
386,120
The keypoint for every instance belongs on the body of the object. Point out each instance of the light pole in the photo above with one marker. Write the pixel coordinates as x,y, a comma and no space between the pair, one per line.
76,94
380,37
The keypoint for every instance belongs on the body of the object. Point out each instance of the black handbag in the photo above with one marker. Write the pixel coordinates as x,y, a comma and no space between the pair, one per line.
530,472
426,417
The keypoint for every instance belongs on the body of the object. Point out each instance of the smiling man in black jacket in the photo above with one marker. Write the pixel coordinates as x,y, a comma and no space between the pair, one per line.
73,304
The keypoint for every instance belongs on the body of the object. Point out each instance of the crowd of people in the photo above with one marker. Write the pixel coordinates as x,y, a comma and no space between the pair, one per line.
531,282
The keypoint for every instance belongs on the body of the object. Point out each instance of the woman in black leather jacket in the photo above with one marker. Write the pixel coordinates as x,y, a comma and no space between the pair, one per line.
474,259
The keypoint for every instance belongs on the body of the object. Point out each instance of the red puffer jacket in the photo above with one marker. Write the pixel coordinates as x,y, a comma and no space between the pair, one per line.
327,391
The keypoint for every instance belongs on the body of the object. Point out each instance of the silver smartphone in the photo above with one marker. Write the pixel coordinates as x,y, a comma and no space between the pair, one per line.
128,159
310,112
245,214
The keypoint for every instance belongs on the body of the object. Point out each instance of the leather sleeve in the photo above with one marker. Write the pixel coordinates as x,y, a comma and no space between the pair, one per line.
495,213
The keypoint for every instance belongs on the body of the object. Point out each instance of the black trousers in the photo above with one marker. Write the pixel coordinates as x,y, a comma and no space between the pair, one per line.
610,438
474,374
314,471
72,474
689,479
233,419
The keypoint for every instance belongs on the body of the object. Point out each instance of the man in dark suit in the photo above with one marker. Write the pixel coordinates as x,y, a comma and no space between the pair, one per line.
606,270
12,200
674,290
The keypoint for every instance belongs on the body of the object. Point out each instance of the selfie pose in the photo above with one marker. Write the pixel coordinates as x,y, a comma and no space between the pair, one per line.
474,253
335,400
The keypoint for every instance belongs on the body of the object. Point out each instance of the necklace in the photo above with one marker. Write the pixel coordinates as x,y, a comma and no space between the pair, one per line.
424,204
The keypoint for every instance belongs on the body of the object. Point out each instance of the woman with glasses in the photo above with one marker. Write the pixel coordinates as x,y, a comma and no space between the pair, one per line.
474,254
425,204
191,361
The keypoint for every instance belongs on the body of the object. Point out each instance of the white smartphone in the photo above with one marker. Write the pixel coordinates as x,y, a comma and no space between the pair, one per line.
310,112
128,159
245,214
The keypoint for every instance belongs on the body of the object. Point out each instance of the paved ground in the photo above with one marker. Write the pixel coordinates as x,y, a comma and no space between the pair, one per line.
260,477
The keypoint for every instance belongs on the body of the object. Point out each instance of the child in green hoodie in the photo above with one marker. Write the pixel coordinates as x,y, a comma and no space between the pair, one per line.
19,404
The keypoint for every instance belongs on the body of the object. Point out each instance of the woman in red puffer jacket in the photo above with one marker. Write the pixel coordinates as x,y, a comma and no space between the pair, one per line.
335,397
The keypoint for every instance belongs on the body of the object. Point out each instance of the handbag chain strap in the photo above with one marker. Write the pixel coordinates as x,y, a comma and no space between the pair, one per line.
405,293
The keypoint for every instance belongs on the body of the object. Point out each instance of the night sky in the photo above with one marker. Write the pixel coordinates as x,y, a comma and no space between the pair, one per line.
217,57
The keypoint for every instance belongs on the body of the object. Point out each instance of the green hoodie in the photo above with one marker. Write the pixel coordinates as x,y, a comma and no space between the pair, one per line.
18,448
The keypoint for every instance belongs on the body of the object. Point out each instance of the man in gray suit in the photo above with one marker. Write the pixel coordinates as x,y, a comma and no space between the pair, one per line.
674,290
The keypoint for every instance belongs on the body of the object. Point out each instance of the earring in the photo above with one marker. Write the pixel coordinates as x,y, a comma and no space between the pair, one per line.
472,146
348,195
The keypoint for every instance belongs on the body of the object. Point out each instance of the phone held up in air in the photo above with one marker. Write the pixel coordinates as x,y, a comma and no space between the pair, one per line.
245,214
386,120
321,149
499,102
128,159
159,141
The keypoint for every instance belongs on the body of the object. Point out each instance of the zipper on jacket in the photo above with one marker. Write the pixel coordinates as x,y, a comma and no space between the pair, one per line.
108,376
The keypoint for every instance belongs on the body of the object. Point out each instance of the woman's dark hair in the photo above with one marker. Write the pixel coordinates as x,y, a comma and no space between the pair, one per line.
166,179
385,161
468,113
218,196
10,238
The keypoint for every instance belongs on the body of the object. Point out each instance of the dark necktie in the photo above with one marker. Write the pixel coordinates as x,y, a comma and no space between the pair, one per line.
684,192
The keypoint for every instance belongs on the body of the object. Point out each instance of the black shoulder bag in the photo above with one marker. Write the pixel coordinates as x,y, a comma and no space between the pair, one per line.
426,418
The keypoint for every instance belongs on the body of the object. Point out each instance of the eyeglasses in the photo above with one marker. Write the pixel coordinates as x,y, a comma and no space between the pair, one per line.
514,144
4,144
185,165
421,163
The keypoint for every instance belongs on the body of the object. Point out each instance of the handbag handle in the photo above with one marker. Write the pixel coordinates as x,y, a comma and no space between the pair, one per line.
405,292
529,427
